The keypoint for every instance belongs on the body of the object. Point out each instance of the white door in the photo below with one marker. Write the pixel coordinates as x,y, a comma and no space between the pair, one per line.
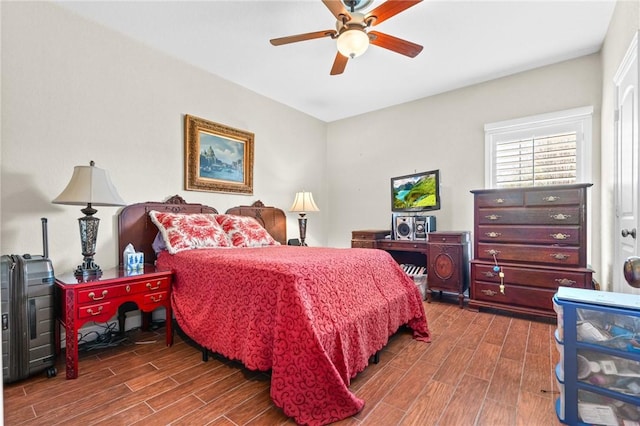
626,182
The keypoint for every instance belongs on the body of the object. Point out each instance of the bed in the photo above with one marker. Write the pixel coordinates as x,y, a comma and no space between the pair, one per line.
312,316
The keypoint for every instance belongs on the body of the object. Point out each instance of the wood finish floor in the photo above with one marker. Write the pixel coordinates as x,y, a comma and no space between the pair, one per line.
480,369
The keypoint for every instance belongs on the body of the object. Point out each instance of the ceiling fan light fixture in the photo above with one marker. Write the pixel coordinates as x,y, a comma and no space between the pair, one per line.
353,42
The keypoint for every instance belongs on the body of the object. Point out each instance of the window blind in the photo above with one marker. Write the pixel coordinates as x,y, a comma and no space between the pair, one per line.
537,161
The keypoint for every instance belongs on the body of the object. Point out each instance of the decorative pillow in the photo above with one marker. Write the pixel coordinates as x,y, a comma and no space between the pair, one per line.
244,231
182,231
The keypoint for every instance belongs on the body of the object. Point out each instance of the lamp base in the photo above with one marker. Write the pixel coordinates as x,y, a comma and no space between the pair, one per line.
88,269
302,226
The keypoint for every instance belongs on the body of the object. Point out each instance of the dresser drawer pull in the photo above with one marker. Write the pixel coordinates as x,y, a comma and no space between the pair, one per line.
493,234
559,236
499,200
92,295
565,282
128,288
155,299
492,252
488,274
559,256
150,287
90,311
560,216
551,198
493,217
489,292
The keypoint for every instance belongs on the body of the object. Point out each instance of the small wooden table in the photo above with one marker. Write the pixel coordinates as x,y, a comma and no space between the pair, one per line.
85,299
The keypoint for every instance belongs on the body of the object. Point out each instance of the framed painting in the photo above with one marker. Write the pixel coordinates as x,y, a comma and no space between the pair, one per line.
218,158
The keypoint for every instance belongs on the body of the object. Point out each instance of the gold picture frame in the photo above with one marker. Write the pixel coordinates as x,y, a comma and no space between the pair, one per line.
218,158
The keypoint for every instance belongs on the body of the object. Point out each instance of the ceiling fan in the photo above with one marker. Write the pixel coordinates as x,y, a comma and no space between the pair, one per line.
353,30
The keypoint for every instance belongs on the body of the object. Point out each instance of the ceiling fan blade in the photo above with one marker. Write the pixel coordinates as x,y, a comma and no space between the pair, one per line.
395,44
337,9
302,37
387,10
339,64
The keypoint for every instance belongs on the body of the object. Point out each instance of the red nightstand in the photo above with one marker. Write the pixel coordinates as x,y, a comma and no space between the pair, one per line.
98,299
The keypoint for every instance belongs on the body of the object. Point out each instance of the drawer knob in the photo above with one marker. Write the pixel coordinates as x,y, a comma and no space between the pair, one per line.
551,198
493,217
156,299
128,288
92,295
499,200
150,286
559,256
565,282
560,216
559,236
493,234
492,252
488,274
91,312
489,292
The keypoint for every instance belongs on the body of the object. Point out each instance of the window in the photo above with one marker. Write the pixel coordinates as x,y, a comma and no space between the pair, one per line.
547,149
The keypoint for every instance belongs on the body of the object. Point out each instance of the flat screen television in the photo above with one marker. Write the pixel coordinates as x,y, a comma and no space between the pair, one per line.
416,192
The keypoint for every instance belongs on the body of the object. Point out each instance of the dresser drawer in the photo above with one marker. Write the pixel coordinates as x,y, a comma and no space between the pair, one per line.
543,278
448,237
530,297
565,235
569,215
553,197
500,199
369,234
363,244
554,255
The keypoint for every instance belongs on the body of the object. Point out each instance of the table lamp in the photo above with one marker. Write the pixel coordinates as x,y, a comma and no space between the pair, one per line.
92,186
303,204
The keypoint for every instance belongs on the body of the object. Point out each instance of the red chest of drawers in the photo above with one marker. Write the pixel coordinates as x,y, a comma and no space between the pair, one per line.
85,299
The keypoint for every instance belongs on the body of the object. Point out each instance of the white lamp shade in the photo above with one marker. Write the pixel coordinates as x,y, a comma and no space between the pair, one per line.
89,185
353,43
304,203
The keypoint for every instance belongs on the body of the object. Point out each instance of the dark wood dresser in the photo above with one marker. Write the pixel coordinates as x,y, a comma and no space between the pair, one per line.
538,237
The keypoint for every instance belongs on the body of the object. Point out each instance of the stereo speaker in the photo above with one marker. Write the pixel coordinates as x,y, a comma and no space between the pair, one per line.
412,227
403,227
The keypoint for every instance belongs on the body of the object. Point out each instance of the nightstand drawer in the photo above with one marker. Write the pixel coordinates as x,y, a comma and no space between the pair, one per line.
96,310
155,299
148,285
98,294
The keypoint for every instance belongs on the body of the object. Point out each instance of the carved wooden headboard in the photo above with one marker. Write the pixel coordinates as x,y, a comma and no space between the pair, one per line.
135,225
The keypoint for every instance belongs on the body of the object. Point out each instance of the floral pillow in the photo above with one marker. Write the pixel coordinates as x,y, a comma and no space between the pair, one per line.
182,231
244,231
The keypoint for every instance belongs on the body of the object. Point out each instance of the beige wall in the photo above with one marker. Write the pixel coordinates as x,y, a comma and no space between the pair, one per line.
73,92
624,24
68,99
446,132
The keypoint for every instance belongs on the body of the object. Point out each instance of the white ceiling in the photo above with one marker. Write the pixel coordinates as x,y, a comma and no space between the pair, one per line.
465,42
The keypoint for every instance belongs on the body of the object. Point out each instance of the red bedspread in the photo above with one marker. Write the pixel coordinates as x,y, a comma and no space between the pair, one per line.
312,315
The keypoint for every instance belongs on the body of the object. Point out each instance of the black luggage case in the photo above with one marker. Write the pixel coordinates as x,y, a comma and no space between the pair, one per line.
27,290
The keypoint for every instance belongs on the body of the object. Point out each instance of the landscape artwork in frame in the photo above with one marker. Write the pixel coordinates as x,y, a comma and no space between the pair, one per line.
218,158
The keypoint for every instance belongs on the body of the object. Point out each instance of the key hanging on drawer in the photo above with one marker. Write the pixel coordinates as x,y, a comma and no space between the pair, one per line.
498,269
